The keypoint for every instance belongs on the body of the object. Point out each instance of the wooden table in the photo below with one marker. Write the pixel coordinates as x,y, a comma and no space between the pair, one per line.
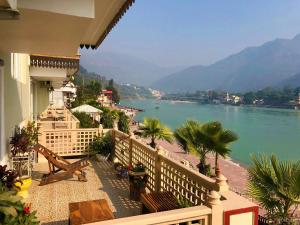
158,201
89,212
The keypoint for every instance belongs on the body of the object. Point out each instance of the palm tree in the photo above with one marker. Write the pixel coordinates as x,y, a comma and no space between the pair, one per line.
191,138
218,140
152,128
276,186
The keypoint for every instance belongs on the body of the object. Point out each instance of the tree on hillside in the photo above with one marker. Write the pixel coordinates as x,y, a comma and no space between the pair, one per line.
276,186
152,128
123,122
115,92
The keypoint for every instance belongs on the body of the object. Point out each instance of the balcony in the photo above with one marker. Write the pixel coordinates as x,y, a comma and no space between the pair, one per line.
60,132
213,202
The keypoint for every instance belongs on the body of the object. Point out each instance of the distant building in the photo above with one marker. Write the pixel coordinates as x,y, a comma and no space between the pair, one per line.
155,93
227,98
258,102
105,98
236,99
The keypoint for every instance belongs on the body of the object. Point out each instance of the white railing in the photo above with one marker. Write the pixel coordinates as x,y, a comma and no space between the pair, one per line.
198,215
69,142
165,174
57,118
213,203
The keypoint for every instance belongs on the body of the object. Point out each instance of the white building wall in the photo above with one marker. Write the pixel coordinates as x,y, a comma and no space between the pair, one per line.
56,98
2,146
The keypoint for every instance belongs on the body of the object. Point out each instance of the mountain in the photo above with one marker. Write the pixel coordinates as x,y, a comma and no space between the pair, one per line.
251,69
293,82
123,68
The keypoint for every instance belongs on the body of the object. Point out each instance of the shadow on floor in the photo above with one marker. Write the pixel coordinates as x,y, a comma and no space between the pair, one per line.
116,189
61,222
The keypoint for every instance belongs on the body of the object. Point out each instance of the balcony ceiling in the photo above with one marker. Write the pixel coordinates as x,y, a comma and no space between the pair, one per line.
59,27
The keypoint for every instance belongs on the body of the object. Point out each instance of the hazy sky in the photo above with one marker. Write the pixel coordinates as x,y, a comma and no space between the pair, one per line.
189,32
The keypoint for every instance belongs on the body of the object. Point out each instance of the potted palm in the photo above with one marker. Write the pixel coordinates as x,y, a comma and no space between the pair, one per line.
21,144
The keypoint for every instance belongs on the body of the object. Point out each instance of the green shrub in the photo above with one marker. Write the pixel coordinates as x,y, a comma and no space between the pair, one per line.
85,120
102,145
184,203
123,123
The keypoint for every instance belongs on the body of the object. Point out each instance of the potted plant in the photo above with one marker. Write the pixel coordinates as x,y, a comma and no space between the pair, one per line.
12,209
137,180
22,155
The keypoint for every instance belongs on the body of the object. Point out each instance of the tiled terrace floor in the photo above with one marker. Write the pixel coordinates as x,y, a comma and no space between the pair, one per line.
52,201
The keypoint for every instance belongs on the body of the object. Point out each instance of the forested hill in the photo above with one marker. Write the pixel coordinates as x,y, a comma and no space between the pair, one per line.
95,82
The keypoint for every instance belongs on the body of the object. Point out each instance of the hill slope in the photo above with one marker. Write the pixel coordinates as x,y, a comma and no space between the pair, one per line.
293,82
123,68
251,69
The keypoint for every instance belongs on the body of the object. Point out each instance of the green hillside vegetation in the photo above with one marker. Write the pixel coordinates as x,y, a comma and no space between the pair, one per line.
89,86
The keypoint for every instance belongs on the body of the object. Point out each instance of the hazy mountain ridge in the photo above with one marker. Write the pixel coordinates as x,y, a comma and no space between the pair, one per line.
293,82
251,69
123,68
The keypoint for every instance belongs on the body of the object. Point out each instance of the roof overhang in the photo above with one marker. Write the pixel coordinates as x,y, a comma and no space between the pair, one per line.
59,27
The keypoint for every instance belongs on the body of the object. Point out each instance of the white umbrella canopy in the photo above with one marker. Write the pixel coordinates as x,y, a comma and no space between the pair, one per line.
87,109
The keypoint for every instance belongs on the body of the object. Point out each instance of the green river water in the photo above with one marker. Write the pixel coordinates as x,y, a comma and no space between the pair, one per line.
260,130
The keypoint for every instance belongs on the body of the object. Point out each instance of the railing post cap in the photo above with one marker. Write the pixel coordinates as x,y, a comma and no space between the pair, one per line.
131,134
214,198
221,180
159,150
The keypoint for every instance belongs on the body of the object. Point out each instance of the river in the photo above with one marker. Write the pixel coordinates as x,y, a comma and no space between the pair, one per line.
260,130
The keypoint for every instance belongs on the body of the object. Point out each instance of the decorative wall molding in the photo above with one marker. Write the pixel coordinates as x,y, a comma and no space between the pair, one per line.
54,62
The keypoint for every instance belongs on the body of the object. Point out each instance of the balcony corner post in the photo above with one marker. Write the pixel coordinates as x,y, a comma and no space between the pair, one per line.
115,125
216,208
221,181
158,154
100,130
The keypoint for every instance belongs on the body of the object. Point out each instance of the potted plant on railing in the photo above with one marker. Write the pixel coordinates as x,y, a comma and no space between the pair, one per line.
22,155
137,180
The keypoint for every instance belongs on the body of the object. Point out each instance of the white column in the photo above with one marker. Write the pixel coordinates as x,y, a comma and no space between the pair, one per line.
2,141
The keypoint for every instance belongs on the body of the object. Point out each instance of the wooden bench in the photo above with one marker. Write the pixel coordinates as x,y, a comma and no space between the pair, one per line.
158,202
89,212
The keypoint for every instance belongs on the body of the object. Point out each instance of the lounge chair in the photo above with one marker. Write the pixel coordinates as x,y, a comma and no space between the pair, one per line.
57,163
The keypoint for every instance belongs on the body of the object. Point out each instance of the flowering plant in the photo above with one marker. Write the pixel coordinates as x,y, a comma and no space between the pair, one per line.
13,211
139,167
